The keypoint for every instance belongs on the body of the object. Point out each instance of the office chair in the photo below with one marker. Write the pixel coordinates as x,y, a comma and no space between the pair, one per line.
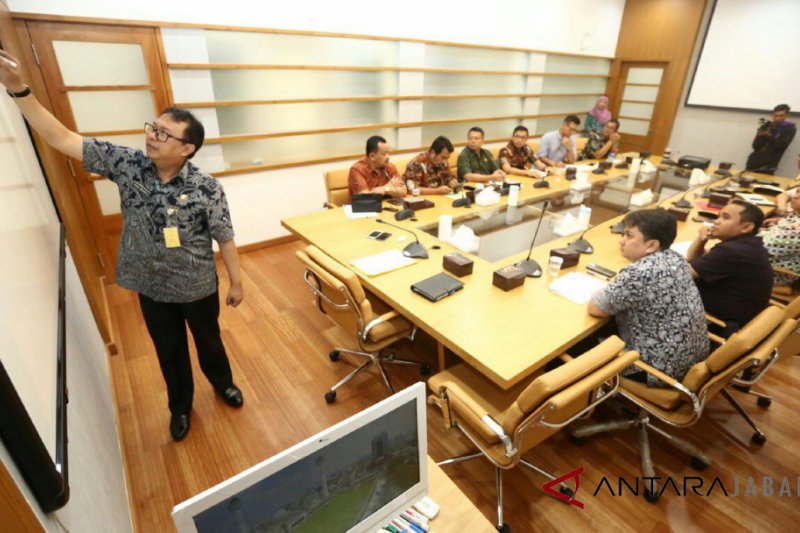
337,187
339,295
504,424
681,404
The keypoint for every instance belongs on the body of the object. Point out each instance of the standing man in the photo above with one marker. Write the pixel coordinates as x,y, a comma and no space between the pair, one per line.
771,141
600,144
430,171
557,148
170,212
517,155
374,173
476,163
735,276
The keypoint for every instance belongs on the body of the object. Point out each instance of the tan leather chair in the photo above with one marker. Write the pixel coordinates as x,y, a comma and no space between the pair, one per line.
339,295
681,404
505,424
337,187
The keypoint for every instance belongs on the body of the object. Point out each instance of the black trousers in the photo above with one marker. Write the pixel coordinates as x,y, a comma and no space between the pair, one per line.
166,323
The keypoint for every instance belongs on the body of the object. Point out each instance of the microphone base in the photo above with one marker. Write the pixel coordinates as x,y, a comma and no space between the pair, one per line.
415,249
683,204
618,228
582,246
462,202
530,267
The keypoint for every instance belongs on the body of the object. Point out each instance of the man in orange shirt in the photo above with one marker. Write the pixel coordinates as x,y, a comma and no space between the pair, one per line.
430,171
374,173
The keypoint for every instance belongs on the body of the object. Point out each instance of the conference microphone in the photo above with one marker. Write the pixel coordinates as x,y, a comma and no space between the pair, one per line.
529,266
581,245
414,249
683,203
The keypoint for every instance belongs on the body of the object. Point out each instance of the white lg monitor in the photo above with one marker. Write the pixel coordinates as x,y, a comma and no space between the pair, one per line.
354,476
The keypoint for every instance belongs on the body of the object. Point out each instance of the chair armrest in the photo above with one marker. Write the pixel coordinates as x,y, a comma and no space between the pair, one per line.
716,338
785,271
379,320
715,320
672,382
453,389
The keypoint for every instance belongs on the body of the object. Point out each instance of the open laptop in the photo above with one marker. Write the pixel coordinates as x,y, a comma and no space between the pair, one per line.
354,476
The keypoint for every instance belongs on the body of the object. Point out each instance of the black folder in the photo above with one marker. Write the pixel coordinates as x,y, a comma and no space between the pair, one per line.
437,287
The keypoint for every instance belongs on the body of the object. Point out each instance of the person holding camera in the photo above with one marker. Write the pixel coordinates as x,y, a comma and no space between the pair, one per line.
771,140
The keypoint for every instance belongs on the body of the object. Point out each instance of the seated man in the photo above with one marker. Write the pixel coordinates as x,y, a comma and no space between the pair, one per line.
557,147
782,242
657,307
600,144
771,140
476,163
374,173
734,277
430,171
517,155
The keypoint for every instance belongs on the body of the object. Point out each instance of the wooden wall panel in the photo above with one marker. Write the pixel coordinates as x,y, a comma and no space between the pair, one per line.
659,30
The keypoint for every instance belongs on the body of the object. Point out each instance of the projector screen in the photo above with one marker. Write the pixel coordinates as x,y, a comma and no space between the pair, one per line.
750,56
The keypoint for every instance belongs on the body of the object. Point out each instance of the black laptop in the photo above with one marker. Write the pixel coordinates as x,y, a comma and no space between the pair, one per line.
437,287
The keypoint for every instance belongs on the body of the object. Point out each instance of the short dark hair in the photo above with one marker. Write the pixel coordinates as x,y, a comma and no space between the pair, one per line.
615,121
195,133
569,119
655,224
441,143
520,128
782,107
478,129
373,142
750,213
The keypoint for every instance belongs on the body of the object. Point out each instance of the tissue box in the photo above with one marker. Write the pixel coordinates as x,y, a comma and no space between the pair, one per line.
570,256
719,200
508,277
457,264
415,204
680,214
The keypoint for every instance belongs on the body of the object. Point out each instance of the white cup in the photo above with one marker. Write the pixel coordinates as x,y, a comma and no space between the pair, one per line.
415,192
554,265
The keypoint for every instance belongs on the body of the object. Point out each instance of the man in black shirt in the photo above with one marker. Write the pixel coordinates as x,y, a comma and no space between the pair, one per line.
771,141
734,277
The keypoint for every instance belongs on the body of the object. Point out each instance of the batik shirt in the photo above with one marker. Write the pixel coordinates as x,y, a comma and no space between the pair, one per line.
363,178
659,313
596,141
516,157
470,162
420,172
782,242
192,201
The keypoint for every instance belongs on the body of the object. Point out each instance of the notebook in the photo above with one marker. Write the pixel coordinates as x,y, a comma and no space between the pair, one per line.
437,287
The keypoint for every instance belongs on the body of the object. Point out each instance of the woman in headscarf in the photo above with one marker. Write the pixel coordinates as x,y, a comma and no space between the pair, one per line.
598,115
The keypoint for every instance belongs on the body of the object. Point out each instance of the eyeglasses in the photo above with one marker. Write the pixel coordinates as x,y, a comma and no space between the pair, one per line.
162,135
521,137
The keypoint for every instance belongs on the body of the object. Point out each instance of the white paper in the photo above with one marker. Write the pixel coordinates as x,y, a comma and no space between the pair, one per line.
348,213
577,287
681,247
755,199
383,262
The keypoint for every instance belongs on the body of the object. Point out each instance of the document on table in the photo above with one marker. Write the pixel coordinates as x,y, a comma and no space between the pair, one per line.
383,262
681,247
755,199
348,213
577,286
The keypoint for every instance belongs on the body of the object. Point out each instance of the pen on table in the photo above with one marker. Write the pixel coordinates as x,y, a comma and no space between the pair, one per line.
595,274
399,526
411,526
415,518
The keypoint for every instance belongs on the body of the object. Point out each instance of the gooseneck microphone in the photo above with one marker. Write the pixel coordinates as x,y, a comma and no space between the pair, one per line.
683,203
414,249
529,266
581,245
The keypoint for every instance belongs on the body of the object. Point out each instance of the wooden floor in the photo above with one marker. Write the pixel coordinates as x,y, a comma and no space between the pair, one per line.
278,344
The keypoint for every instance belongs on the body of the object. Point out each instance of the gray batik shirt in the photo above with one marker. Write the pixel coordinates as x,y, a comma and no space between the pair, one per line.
192,201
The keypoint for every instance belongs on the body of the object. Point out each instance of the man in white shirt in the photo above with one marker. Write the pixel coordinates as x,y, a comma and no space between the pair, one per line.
557,148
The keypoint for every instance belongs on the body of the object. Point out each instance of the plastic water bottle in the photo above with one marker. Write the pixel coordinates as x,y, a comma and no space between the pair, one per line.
584,214
611,155
513,196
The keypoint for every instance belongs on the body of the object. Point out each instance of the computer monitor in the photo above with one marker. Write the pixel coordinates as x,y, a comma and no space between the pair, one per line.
353,476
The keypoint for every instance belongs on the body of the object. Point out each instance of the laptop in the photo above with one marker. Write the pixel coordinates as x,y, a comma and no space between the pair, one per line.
437,287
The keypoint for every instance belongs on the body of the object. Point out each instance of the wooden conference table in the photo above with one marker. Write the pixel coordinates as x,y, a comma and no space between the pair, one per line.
505,335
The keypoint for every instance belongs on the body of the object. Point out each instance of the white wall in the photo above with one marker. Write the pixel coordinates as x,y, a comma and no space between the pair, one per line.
259,200
720,134
98,496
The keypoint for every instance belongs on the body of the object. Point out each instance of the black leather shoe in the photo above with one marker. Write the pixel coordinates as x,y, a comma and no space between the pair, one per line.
232,396
179,426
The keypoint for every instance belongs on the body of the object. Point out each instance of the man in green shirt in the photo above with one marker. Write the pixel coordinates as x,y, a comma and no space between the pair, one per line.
476,163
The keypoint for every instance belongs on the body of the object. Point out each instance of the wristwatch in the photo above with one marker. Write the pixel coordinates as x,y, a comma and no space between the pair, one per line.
21,94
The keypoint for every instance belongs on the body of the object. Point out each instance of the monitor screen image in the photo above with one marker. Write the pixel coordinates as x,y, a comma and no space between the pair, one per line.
345,478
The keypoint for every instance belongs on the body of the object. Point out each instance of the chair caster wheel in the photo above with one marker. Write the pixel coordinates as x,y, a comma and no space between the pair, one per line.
505,528
566,491
764,402
425,370
651,496
334,355
758,438
699,464
577,441
330,396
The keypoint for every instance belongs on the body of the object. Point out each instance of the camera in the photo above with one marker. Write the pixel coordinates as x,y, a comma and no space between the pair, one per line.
764,125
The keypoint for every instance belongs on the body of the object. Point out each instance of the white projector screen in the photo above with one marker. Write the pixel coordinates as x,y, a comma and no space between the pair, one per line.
750,56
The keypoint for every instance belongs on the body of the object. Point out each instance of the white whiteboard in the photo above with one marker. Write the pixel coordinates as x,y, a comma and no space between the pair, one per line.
750,56
29,262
